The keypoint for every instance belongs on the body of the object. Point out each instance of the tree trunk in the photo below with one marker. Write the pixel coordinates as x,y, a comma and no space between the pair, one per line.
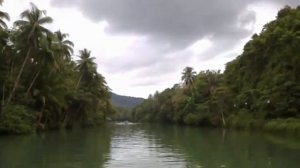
11,70
40,117
2,104
18,77
31,84
3,94
79,81
65,119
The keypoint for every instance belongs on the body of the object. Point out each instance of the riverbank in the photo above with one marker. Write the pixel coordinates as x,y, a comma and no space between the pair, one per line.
291,125
19,119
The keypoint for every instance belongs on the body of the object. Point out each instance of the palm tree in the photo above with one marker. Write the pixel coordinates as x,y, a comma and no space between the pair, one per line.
31,30
188,76
46,60
3,15
49,98
65,46
100,86
32,24
86,66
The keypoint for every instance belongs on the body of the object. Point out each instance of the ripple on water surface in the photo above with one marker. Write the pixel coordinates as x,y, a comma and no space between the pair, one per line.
138,149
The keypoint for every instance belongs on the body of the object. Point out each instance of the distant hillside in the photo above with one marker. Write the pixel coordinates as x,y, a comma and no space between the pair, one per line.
125,101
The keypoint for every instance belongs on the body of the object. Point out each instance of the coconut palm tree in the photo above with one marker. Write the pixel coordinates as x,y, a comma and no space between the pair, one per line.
86,66
49,98
64,46
5,16
45,61
188,76
31,30
32,23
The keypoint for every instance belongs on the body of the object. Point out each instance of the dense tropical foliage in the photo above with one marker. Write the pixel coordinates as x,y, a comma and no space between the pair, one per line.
41,85
260,88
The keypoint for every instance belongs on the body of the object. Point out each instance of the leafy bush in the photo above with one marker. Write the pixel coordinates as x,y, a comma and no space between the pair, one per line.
290,124
17,119
192,119
244,120
92,119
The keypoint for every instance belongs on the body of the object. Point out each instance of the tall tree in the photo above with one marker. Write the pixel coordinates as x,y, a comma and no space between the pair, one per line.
45,60
31,28
188,76
65,46
86,66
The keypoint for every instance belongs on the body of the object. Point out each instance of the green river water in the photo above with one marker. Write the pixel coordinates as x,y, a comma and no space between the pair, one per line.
150,146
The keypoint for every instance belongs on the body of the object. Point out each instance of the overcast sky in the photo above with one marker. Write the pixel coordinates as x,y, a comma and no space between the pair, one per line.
143,45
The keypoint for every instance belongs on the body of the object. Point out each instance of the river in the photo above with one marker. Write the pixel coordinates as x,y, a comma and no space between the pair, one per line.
150,146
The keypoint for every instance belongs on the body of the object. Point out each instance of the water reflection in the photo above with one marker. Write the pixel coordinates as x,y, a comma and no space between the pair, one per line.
147,145
132,146
65,149
231,148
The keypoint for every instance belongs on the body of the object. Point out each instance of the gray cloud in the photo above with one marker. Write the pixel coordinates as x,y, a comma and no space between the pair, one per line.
178,22
171,26
145,53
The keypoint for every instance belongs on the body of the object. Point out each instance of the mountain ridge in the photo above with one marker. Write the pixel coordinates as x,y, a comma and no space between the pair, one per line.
125,101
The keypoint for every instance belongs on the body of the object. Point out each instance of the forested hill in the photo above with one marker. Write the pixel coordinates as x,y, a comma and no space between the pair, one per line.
125,101
260,88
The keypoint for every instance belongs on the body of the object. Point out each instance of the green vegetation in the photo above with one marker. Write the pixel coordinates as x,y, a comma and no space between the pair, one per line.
125,102
259,89
41,86
123,106
283,125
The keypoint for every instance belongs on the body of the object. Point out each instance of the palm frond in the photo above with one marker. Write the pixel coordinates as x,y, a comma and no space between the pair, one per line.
45,20
68,42
4,15
3,24
20,23
25,14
